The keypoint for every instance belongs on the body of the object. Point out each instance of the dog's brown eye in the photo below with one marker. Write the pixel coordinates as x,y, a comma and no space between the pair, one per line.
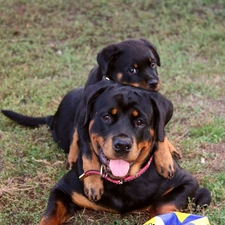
106,118
132,70
139,122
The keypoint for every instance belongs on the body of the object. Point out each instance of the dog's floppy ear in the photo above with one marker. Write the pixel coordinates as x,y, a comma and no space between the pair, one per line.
154,51
91,92
108,55
164,112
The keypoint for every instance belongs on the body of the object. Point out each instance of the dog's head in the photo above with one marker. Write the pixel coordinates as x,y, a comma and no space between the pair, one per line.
124,123
132,62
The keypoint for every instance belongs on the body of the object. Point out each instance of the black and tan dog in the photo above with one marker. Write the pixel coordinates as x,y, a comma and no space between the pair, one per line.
131,62
124,125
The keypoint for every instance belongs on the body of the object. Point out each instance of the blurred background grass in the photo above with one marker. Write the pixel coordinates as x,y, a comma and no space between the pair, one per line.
48,48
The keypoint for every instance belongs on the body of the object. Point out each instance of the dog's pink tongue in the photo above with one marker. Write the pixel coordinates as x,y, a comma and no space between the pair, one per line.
119,167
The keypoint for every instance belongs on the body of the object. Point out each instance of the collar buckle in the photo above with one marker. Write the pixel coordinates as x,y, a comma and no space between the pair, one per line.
120,182
105,78
103,174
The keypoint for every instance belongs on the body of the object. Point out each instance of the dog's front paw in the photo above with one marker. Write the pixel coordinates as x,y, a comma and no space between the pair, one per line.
165,167
93,187
176,153
164,162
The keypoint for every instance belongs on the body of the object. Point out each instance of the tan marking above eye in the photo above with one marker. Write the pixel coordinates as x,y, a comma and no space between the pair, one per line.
119,76
152,132
114,111
135,66
135,113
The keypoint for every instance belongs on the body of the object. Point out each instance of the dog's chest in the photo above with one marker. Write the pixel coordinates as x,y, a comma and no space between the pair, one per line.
129,196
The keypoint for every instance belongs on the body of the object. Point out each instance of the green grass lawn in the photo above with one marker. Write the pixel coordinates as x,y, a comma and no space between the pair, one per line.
48,48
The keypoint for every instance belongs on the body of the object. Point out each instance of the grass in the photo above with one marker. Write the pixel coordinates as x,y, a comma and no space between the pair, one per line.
48,48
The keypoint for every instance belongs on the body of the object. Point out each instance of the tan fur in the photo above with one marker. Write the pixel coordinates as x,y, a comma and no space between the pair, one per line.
163,209
135,113
144,149
143,85
164,160
93,185
83,202
114,111
60,217
73,152
119,76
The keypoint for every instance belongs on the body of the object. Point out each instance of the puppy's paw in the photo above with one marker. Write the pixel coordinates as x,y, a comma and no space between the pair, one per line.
176,153
93,187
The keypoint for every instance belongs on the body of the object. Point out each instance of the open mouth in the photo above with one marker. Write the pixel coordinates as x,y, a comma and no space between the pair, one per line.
117,167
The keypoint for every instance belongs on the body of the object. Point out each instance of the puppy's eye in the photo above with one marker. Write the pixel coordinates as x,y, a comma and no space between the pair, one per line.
139,122
132,70
106,118
153,64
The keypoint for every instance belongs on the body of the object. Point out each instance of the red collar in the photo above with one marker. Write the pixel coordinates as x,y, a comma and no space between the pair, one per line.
115,181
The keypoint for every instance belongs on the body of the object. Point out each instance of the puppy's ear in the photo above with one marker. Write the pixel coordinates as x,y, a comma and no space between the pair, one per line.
107,56
91,92
163,111
154,51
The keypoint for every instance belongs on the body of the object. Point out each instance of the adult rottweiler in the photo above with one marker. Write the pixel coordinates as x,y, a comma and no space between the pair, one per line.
124,124
131,62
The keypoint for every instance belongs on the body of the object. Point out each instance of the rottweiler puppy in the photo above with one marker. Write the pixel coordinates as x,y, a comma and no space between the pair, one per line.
124,125
132,62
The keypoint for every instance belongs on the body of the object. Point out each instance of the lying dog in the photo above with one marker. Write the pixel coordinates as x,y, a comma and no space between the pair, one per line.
124,125
71,113
132,62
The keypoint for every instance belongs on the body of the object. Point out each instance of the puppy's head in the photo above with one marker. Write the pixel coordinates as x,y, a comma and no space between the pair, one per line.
132,62
124,123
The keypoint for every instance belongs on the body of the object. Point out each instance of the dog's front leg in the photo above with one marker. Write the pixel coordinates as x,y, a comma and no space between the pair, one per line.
93,184
163,157
60,208
74,150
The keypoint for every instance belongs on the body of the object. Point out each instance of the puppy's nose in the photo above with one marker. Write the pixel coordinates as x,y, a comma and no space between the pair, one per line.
122,145
153,83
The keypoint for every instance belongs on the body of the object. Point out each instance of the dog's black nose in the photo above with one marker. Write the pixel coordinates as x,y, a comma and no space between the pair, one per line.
153,83
122,145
